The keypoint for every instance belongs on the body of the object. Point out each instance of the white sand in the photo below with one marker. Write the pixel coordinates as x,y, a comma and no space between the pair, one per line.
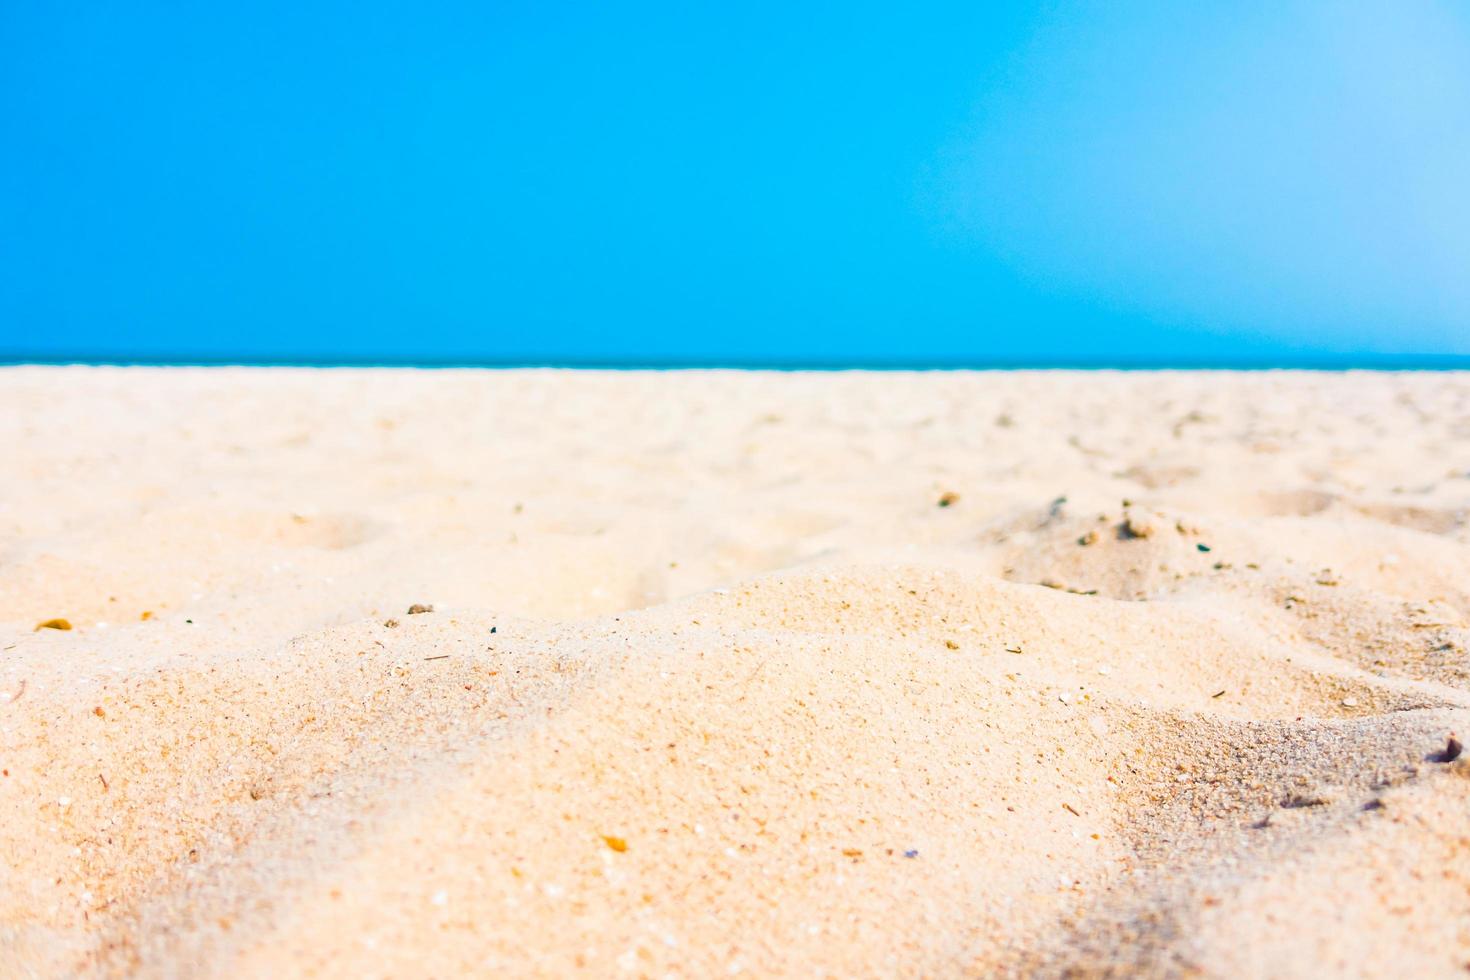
708,661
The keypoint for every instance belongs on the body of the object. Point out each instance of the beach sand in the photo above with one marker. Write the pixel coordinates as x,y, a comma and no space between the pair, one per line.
733,673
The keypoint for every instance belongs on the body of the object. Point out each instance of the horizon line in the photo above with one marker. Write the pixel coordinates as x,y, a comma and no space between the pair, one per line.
1324,363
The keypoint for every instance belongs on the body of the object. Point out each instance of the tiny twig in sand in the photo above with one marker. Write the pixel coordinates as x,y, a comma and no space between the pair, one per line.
1069,809
442,656
753,675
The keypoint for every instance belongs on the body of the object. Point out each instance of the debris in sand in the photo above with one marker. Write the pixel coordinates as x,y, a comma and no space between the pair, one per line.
951,644
948,499
616,843
1201,546
392,624
1298,801
1070,809
911,853
1087,539
54,624
1450,752
418,608
1218,694
1135,526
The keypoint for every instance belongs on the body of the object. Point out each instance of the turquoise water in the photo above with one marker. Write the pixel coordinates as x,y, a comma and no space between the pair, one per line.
1319,363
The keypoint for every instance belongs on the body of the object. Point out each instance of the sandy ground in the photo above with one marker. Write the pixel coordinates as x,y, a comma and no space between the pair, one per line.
846,674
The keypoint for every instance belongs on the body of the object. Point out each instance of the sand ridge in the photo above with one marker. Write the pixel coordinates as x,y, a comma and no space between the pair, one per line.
733,673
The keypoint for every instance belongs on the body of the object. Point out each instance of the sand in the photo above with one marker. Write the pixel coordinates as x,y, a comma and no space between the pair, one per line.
733,673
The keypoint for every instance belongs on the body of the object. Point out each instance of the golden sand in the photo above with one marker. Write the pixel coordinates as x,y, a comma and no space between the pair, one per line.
733,673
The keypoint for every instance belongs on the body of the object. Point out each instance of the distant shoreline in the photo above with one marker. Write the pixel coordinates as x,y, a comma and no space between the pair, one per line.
1375,363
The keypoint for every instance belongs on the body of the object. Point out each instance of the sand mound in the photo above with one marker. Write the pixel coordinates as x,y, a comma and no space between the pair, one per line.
733,673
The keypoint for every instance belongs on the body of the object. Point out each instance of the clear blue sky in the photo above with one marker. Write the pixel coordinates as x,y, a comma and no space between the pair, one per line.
958,182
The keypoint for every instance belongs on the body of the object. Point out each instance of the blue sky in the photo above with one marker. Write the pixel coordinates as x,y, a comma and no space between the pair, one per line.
769,183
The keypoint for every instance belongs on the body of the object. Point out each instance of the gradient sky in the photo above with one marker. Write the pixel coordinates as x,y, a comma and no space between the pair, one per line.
769,183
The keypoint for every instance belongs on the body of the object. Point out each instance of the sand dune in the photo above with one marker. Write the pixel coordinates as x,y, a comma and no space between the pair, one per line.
733,673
